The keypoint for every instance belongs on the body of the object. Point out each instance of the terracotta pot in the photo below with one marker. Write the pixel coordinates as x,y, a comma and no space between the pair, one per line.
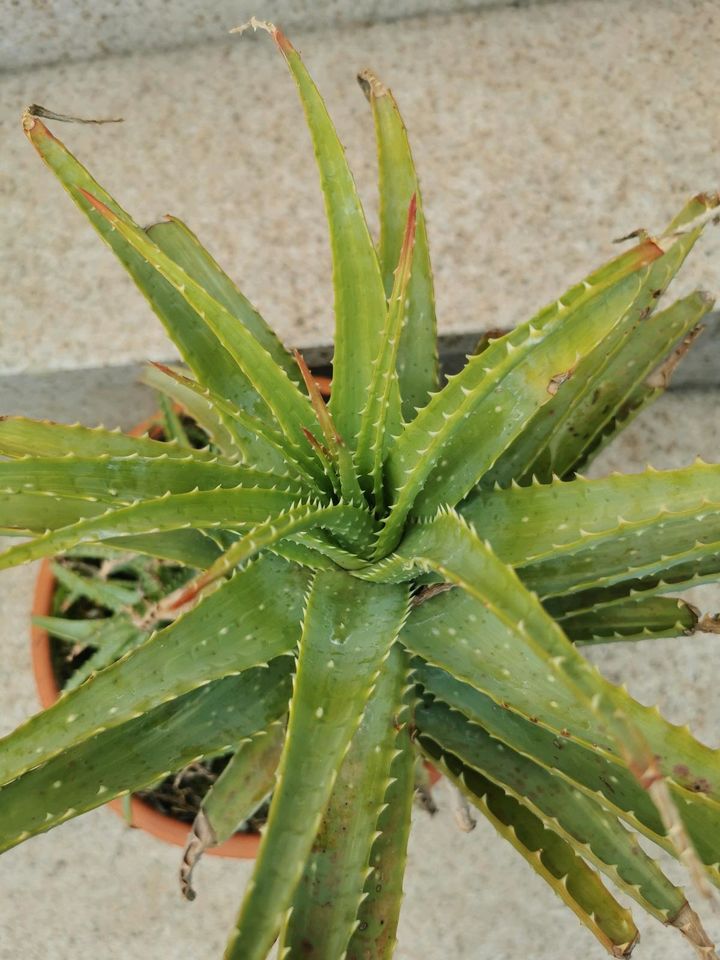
142,815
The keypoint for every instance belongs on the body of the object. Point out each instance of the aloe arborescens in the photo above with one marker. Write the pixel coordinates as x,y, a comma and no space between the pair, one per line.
411,567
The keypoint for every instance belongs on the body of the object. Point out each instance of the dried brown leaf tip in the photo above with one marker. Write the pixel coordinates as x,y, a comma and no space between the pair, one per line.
709,623
370,85
35,110
199,839
689,924
624,950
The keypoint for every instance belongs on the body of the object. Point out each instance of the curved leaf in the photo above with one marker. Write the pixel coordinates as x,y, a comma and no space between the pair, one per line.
348,629
331,890
360,306
465,428
136,754
209,508
248,621
551,857
417,363
245,782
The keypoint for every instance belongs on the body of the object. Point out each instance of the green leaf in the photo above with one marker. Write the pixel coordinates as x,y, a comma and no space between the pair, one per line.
246,781
105,593
552,441
463,430
380,419
348,629
417,366
141,751
207,508
551,857
503,643
74,631
330,893
34,513
233,430
281,395
190,547
351,525
632,380
114,640
337,458
20,437
199,347
196,402
248,621
172,425
124,480
360,306
640,617
375,934
178,241
598,773
568,537
592,831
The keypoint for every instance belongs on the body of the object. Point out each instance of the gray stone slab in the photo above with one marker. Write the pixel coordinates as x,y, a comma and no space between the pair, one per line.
540,133
36,34
114,397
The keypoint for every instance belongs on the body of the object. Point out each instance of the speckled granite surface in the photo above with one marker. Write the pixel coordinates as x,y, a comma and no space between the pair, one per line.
540,133
469,897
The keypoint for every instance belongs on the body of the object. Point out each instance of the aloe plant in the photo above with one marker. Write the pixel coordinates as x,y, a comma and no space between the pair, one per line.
413,567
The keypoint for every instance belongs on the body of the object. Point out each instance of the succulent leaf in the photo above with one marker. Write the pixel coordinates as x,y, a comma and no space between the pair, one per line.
104,593
569,537
245,782
205,508
123,480
466,427
331,890
553,440
248,621
552,857
143,749
347,523
20,437
594,832
178,241
360,306
417,363
375,933
196,401
640,617
283,399
597,773
636,377
348,629
190,547
380,418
